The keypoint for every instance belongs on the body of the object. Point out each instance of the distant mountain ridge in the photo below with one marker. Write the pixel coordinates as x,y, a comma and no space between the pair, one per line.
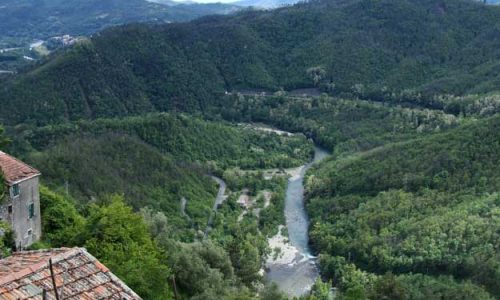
265,3
416,47
39,19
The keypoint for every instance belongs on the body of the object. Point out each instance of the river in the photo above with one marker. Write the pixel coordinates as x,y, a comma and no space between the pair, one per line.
296,275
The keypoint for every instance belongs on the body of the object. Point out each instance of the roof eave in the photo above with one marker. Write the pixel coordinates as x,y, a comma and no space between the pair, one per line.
11,183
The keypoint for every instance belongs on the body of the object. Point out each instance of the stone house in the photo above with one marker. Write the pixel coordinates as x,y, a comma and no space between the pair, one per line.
20,206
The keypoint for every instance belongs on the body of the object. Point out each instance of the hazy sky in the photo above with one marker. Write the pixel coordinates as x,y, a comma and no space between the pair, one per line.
210,1
213,1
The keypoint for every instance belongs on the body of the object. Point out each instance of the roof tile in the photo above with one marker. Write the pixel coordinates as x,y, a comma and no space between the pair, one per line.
15,170
77,273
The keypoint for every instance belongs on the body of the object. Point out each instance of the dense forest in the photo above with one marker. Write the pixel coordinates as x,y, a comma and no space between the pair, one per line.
117,187
23,21
184,137
419,48
128,127
428,205
154,160
341,125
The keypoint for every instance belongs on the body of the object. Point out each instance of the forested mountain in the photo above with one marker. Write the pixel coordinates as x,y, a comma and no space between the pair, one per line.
128,126
364,46
137,193
27,20
154,160
428,205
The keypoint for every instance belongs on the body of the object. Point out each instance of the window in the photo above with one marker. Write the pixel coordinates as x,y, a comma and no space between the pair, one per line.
16,190
9,209
31,210
30,232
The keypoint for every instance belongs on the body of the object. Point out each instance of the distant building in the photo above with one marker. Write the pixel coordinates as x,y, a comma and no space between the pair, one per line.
20,207
77,275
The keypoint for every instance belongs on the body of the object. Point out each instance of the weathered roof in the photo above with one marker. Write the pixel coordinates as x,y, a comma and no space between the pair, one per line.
78,275
15,170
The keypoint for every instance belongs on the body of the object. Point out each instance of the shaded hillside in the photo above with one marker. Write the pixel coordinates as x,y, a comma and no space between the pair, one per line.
92,168
432,46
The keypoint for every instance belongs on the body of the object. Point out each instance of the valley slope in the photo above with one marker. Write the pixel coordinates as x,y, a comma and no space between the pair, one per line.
23,21
406,98
375,49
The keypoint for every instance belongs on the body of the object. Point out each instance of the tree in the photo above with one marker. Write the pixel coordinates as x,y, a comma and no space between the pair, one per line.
387,287
272,292
316,74
6,239
3,142
120,239
202,270
246,259
61,222
321,290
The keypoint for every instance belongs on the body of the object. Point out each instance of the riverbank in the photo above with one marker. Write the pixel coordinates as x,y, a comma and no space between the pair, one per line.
291,265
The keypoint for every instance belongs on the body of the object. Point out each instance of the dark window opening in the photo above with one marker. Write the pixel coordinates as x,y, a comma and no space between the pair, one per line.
31,210
16,190
9,209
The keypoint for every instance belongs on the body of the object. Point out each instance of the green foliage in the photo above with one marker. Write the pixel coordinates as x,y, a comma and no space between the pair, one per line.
357,284
91,168
321,290
428,206
24,21
203,271
155,161
415,218
364,47
346,126
113,233
388,287
421,287
459,159
272,292
120,239
7,242
186,138
243,240
61,222
3,142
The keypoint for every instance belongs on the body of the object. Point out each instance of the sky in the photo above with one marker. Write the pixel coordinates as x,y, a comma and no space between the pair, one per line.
214,1
209,1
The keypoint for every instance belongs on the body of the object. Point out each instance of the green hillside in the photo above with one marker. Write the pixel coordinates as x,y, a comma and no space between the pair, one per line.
185,138
23,21
429,205
363,47
93,168
154,160
128,125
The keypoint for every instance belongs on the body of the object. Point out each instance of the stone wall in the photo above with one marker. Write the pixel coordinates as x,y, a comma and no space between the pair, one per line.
15,210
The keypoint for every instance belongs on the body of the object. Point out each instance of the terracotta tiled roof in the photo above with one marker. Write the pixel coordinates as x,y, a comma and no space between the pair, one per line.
15,170
78,275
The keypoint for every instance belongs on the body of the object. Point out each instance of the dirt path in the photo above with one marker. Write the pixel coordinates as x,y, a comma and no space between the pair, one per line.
183,208
221,197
